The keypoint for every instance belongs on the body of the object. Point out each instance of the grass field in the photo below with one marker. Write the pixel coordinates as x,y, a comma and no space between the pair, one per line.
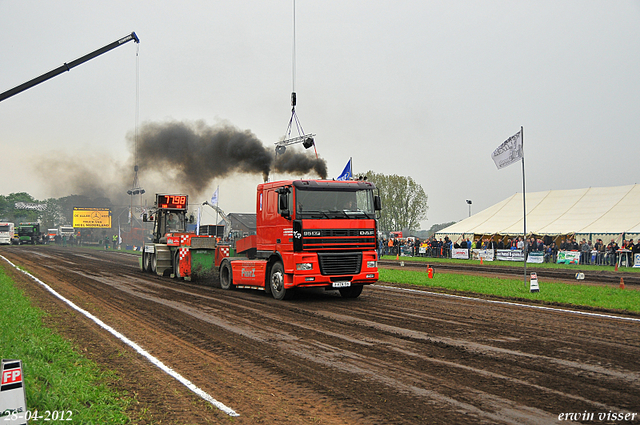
56,377
611,298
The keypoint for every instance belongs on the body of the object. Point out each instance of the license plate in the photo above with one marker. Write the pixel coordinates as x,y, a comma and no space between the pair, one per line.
341,284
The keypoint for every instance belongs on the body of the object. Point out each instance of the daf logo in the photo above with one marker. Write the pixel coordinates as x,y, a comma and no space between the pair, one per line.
367,232
312,232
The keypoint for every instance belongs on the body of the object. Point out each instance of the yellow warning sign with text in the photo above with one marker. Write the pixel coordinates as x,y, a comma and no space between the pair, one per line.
96,218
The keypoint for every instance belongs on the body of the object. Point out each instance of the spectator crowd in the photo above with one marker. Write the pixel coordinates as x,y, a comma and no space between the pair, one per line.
596,253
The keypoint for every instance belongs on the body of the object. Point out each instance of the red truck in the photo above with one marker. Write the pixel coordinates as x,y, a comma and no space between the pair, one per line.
309,233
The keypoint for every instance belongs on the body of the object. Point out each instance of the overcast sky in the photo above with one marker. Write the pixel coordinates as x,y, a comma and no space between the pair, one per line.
426,89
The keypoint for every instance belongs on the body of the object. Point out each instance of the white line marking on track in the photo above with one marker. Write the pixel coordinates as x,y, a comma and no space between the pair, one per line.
537,307
184,381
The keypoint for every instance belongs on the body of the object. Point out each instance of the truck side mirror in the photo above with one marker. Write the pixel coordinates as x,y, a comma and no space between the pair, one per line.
377,203
144,218
283,203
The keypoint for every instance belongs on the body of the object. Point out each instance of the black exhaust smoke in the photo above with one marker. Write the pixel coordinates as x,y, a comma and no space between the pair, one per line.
173,155
198,153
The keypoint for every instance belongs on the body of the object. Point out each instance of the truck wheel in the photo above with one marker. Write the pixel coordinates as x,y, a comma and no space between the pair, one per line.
154,262
226,275
176,265
351,292
276,283
146,260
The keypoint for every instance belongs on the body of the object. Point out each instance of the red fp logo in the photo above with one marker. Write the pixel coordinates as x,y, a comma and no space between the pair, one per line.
11,376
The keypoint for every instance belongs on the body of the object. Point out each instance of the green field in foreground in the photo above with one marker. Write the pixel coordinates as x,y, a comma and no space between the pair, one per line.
550,292
56,377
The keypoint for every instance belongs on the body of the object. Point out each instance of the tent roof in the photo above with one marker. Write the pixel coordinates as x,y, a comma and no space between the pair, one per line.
594,210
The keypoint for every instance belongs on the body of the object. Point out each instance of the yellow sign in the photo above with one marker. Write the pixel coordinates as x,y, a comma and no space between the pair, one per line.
96,218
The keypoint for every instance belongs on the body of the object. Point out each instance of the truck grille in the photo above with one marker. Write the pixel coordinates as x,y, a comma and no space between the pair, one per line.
337,239
338,263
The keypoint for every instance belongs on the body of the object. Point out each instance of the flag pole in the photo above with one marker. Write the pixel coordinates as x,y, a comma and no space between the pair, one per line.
217,203
524,209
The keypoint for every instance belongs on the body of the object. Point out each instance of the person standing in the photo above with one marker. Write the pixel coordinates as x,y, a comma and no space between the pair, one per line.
612,250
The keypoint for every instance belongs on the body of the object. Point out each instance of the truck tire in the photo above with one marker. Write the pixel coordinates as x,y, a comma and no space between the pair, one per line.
276,283
146,261
176,265
351,292
226,276
154,262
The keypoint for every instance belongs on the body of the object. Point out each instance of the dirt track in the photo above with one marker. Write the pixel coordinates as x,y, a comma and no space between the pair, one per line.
391,356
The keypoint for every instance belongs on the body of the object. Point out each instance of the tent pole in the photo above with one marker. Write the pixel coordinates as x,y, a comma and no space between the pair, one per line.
524,210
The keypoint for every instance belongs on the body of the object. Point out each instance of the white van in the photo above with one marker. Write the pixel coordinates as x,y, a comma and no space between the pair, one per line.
66,231
6,233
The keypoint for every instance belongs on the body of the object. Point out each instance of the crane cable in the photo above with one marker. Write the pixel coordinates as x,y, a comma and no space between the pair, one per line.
137,116
294,116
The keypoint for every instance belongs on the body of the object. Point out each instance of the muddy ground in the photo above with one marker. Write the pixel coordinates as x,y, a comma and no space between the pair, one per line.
393,356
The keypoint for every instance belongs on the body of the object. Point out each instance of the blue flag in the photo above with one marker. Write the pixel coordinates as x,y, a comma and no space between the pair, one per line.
346,173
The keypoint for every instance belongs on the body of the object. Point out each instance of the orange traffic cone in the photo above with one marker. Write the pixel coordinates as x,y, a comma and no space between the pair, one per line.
397,256
621,283
481,261
430,271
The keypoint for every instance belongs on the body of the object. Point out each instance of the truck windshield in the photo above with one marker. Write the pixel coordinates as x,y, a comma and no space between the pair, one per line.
334,203
4,228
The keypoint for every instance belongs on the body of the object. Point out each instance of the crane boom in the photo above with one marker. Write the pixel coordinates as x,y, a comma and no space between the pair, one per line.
68,66
223,215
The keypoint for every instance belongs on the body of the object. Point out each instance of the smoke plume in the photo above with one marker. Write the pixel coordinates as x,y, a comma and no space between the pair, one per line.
183,155
199,153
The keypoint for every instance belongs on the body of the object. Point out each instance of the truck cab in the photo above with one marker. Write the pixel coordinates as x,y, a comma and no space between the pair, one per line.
29,233
310,233
6,233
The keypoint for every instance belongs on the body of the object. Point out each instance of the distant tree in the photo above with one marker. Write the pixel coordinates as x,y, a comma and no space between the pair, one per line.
18,215
51,217
4,209
404,203
437,227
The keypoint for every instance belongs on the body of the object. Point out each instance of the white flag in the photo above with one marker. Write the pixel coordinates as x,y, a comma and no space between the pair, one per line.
198,223
508,152
214,198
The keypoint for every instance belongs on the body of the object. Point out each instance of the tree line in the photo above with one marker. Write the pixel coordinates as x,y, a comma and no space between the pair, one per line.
53,212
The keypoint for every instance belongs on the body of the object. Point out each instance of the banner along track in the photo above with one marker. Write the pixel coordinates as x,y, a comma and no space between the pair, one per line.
491,268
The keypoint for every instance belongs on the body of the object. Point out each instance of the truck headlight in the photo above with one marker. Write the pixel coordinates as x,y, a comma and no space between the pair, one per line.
372,264
304,266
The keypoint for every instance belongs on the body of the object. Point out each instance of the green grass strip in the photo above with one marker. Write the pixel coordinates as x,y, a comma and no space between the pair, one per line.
550,292
56,377
514,264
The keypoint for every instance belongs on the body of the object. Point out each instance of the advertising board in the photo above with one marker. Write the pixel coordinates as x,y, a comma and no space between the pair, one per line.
92,218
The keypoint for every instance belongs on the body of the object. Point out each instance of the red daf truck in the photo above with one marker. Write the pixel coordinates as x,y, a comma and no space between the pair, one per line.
309,233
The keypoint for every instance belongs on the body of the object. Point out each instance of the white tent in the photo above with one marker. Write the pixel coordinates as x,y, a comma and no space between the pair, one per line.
604,212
